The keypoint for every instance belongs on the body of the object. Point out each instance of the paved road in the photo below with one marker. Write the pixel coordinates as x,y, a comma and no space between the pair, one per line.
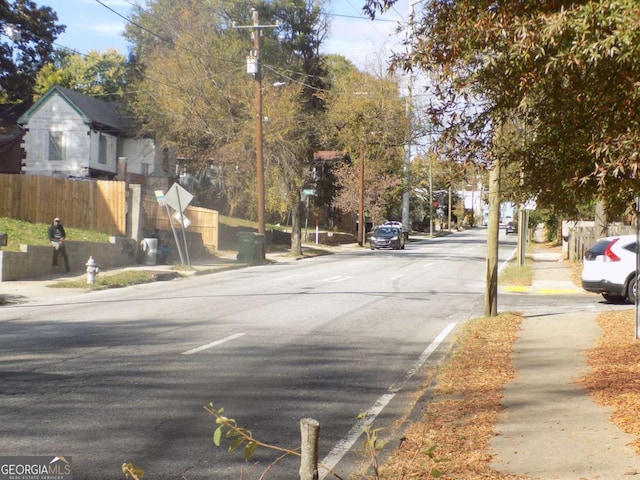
122,375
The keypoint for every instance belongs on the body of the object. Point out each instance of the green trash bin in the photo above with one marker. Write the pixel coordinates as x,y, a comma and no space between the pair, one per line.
246,247
258,250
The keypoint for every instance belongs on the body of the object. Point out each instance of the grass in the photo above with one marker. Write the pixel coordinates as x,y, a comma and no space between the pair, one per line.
515,275
117,280
21,232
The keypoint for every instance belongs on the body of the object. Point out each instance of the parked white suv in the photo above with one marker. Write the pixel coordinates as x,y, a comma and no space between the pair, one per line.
609,268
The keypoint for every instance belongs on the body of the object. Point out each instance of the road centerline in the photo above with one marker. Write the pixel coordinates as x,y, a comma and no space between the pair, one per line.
213,344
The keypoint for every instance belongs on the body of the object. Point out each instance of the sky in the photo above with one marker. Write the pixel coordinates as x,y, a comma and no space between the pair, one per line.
95,26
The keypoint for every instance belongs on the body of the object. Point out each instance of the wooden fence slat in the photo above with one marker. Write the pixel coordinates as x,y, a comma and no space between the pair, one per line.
38,199
93,205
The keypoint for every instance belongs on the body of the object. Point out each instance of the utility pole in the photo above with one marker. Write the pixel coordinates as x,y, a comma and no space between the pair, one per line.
430,196
406,167
361,222
253,67
493,230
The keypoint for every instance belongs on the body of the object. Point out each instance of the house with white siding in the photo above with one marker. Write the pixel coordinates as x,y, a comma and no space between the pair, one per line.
72,135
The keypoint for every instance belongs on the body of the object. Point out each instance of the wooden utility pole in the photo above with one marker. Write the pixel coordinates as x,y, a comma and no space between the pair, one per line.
257,86
361,222
253,67
493,231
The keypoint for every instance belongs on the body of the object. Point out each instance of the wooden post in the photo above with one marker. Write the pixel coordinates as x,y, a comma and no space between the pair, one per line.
309,432
493,229
361,223
600,220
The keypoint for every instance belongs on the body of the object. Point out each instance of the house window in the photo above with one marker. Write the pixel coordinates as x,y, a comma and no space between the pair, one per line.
56,146
102,154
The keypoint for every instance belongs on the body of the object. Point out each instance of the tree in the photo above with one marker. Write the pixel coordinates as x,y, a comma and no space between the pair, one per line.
98,74
564,72
194,93
366,118
25,46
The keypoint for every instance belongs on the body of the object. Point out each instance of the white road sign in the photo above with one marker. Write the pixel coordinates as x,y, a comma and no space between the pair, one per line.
177,198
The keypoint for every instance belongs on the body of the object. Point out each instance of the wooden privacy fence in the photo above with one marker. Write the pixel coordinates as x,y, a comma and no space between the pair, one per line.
98,205
203,220
583,234
87,204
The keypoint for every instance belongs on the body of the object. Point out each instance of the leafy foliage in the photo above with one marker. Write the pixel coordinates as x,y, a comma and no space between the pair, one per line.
194,93
98,74
562,75
34,29
366,118
131,471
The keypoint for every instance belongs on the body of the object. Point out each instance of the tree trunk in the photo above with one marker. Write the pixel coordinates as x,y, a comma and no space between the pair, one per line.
296,228
601,220
493,230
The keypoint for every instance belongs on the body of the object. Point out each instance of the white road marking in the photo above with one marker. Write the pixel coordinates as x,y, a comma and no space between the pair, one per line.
344,445
396,277
337,279
213,344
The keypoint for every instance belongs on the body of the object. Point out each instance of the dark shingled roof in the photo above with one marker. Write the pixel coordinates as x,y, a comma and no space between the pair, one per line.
99,114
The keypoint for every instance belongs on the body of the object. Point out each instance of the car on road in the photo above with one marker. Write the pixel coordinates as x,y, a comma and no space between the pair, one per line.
609,268
387,236
399,225
509,229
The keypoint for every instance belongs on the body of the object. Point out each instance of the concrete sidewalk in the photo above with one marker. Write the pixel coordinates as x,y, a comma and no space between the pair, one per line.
551,429
40,290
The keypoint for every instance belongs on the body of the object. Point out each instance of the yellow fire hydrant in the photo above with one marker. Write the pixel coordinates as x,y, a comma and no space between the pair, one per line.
92,270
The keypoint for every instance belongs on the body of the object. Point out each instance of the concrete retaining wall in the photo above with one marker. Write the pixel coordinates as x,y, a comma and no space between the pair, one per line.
36,261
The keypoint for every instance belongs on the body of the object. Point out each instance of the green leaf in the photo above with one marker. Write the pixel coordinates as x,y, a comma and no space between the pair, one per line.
249,449
235,444
217,435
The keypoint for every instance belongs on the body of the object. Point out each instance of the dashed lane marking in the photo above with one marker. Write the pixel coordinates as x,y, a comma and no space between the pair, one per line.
213,344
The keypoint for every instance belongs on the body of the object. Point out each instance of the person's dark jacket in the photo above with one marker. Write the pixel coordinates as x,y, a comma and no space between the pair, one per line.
59,230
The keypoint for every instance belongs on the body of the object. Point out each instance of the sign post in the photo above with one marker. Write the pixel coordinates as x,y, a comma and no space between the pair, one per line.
635,294
178,198
161,202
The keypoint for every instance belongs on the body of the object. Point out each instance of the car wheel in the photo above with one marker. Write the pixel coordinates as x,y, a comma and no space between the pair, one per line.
632,289
613,298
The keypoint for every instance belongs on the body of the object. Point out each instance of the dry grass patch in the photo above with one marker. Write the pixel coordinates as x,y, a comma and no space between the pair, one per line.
614,371
452,438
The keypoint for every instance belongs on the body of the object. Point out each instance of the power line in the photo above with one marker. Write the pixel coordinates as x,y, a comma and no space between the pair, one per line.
127,19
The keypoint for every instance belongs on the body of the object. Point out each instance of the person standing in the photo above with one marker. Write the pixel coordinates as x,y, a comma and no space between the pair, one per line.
56,237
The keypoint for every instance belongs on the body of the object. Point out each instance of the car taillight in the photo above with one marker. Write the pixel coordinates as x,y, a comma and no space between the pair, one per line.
609,256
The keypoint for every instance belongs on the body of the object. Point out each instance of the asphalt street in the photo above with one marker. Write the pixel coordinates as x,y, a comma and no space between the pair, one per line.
122,375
